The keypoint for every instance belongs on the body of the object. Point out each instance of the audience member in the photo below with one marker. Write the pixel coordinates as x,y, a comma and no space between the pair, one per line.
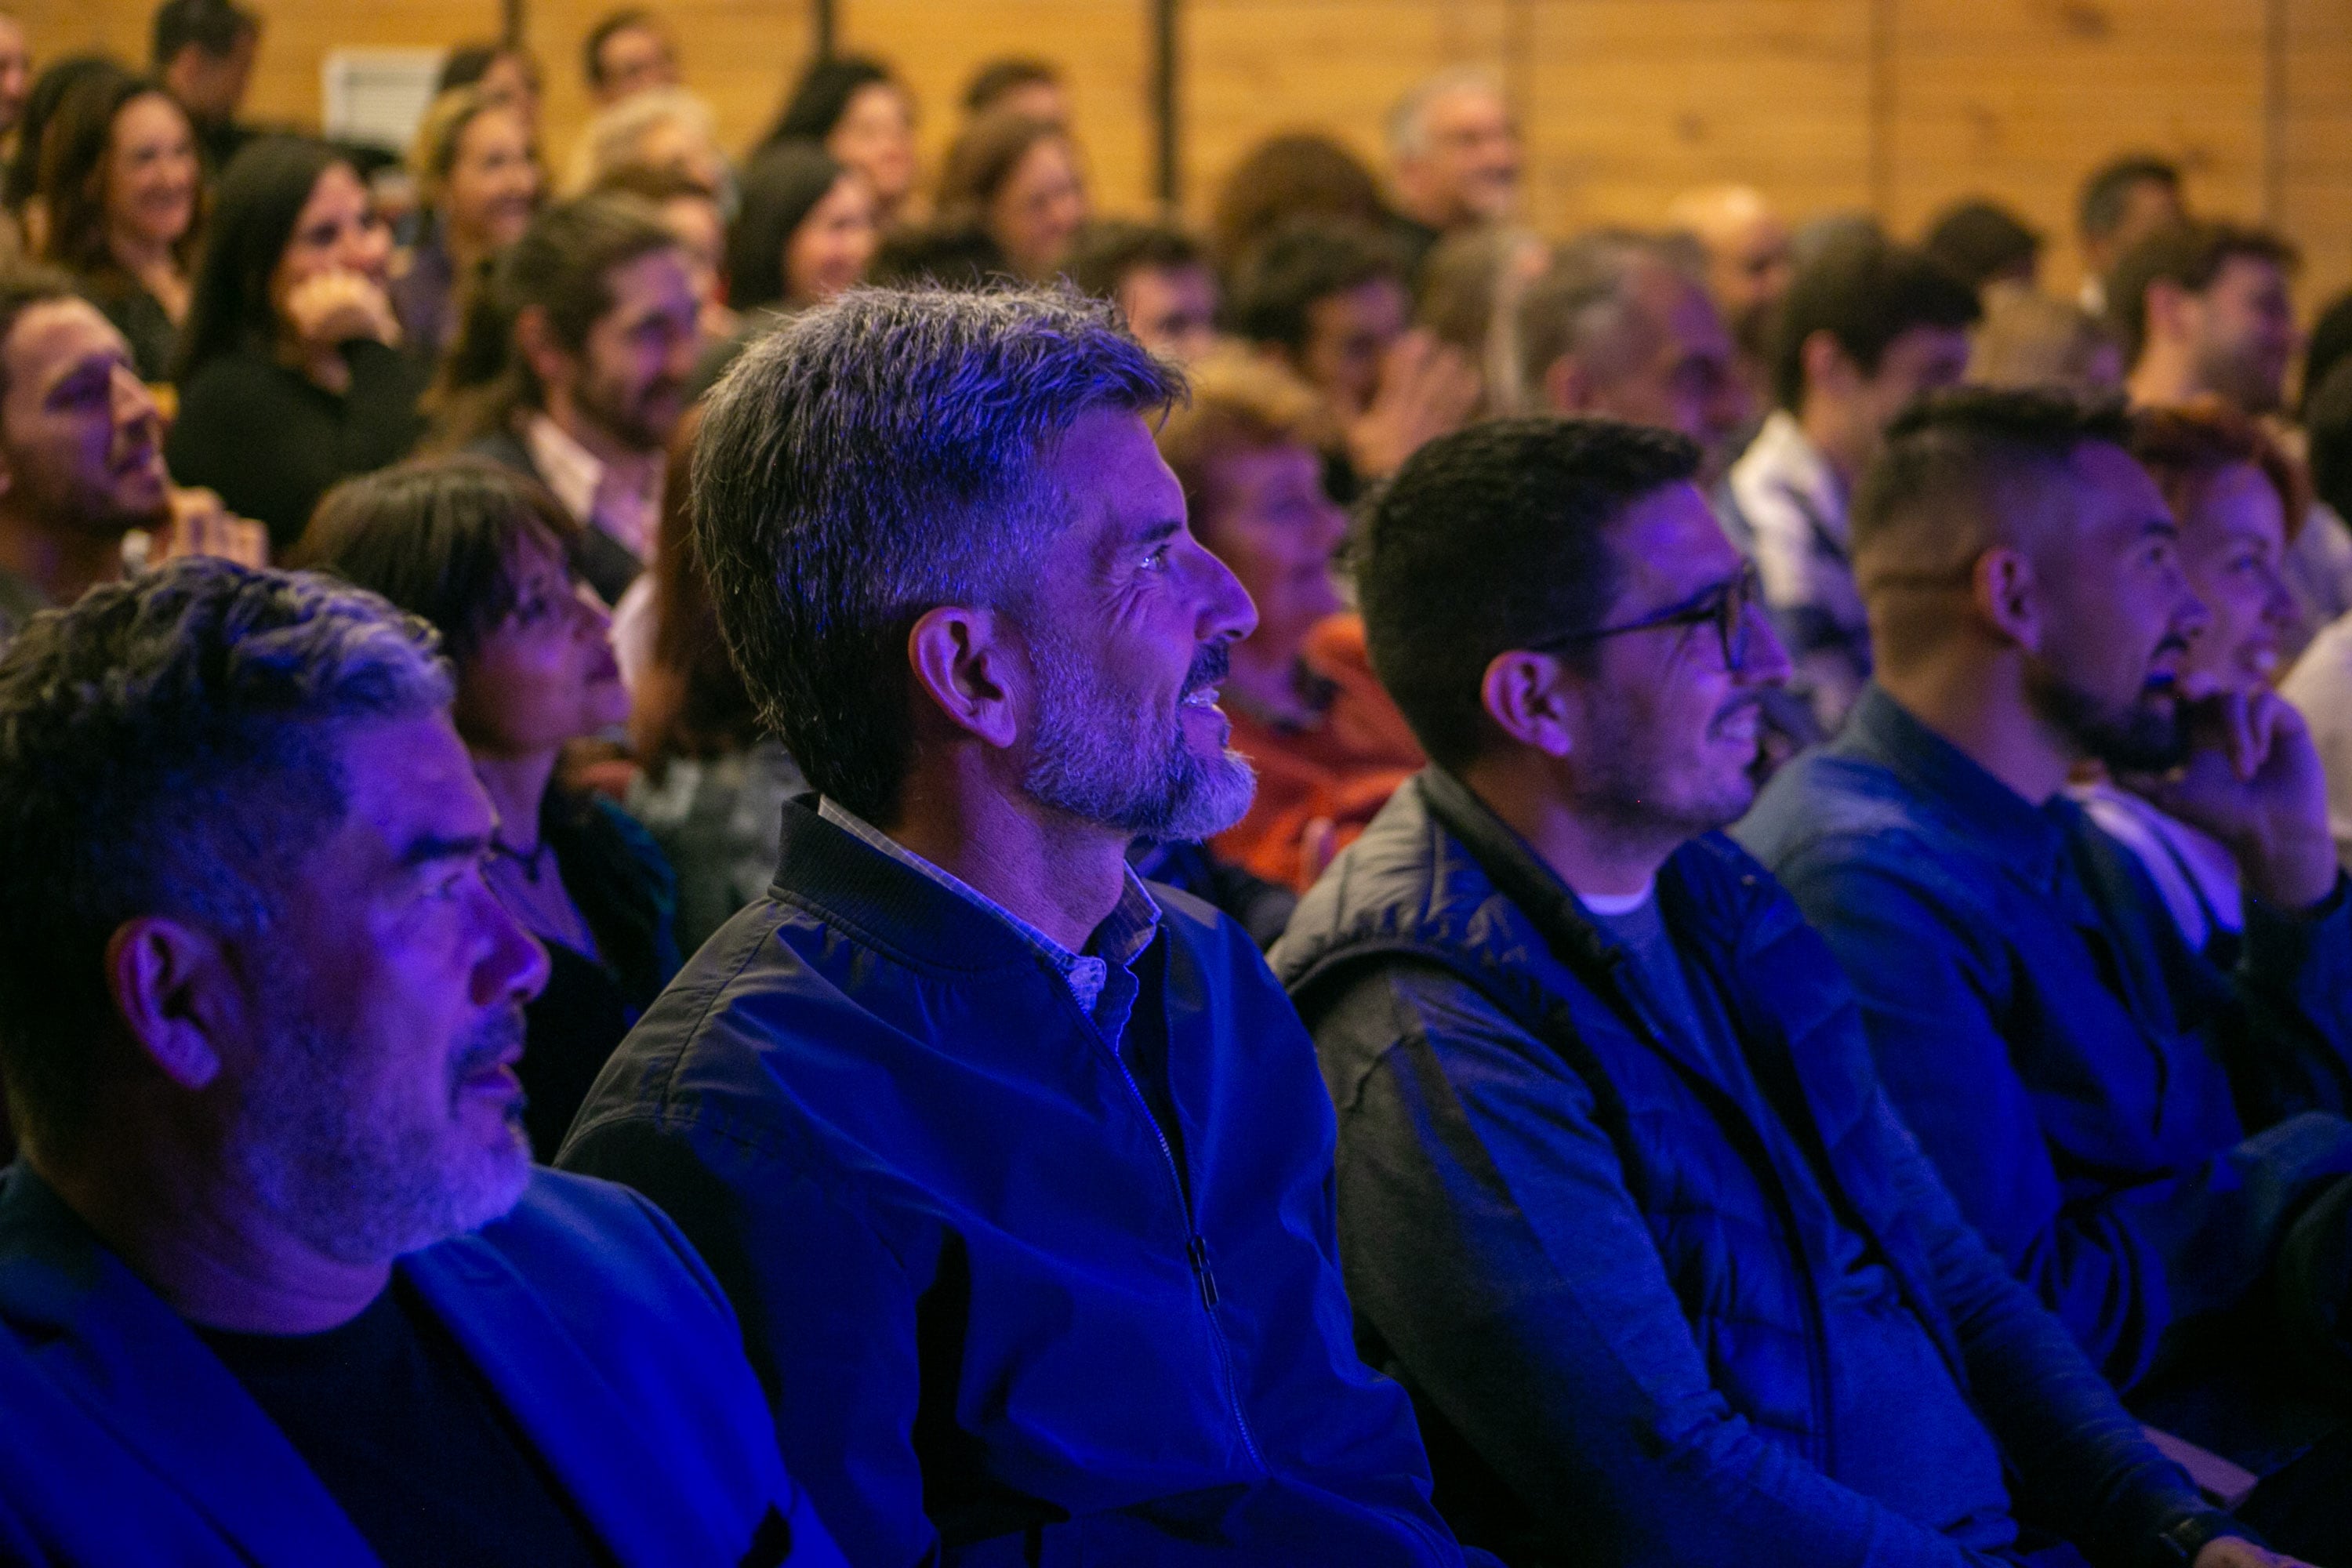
477,182
82,456
656,128
691,211
119,188
1328,297
2320,685
1617,1194
1297,175
1021,84
573,367
1326,743
807,231
22,193
976,1127
15,72
484,555
2027,338
1982,243
278,1279
858,111
1620,325
2237,500
202,54
1018,181
505,73
1866,327
1161,279
1471,288
1454,161
2120,1117
1748,268
2121,203
290,377
626,53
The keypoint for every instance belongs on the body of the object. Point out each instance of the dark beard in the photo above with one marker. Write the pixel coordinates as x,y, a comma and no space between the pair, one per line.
2142,738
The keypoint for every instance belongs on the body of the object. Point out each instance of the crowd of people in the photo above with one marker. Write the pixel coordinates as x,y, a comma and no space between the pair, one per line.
752,856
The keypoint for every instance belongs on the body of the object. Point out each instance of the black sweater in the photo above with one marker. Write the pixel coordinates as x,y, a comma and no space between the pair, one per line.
272,441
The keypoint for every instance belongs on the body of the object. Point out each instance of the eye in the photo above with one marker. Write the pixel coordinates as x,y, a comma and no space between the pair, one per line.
1155,561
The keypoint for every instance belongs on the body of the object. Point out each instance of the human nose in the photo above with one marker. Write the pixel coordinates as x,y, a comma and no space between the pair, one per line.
514,967
1227,611
1764,660
133,404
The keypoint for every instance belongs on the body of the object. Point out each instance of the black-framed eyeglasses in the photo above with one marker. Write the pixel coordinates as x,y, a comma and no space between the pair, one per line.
1725,605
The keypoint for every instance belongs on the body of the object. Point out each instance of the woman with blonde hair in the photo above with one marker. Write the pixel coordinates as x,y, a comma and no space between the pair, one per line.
478,183
665,128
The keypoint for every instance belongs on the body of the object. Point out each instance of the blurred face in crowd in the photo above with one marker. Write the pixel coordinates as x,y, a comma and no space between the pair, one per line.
1036,99
1172,310
1348,335
1126,634
1665,727
1467,168
151,171
336,231
876,136
2112,615
82,445
372,1106
1669,363
211,86
2242,334
682,146
512,80
701,234
544,673
2232,540
2149,206
493,185
827,252
629,379
1039,209
1266,517
632,60
15,72
1849,409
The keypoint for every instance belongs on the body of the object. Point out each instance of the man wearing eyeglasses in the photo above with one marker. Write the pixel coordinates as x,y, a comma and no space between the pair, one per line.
1619,1199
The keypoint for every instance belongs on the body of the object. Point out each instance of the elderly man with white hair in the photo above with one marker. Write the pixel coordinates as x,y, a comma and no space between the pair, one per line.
1453,160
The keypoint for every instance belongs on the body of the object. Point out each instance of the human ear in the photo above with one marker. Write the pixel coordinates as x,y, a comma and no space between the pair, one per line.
165,978
1523,694
2009,597
961,664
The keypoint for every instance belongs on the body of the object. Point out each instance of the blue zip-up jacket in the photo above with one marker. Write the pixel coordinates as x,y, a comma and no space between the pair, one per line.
1004,1319
2085,1082
1568,1233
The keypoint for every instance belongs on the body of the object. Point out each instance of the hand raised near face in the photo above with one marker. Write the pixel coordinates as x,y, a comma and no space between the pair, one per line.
201,525
2254,780
328,309
1427,389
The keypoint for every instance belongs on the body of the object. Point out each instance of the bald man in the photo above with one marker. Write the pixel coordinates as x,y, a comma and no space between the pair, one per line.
1749,265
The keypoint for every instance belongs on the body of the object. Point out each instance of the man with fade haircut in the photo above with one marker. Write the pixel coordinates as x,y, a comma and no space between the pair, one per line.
278,1281
1161,279
1018,1169
2123,201
1455,161
1868,325
2156,1145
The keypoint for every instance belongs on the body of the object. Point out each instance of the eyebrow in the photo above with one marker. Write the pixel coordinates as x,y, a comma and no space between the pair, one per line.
429,847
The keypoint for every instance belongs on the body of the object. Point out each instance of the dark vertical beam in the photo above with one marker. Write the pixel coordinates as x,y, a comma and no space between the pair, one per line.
1168,173
1881,107
512,21
2275,28
824,27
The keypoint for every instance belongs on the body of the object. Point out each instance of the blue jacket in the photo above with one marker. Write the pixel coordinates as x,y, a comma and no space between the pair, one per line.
2083,1081
1000,1319
1565,1229
125,1441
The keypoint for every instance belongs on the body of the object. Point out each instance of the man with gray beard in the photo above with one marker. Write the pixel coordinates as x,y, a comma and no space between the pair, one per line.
1017,1169
277,1282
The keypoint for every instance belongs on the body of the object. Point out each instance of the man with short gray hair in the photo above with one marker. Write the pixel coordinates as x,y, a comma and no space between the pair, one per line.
1019,1170
277,1282
1454,159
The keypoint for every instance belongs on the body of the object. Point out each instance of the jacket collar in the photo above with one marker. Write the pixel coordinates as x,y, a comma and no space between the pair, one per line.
1995,818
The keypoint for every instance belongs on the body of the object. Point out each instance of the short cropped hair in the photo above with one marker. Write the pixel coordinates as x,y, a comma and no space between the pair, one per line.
2190,255
1405,127
2099,210
1978,240
170,746
1105,252
592,48
1305,261
1961,472
872,460
997,77
214,27
1865,290
1491,539
24,285
1582,295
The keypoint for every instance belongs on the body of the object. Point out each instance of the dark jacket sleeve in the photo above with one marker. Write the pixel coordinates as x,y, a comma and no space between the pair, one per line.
2284,1029
2116,1267
2083,1465
835,1351
1488,1235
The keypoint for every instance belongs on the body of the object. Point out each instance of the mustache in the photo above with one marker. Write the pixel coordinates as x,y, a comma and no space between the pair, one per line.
492,1041
1209,667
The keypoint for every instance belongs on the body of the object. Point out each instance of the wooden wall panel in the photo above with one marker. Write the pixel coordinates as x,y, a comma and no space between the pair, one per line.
2313,158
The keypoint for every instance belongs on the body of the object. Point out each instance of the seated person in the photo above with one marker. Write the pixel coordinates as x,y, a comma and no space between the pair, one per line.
1325,741
805,233
478,183
2238,500
483,555
1617,1195
278,1281
1020,182
290,379
1018,1170
2115,1114
1160,278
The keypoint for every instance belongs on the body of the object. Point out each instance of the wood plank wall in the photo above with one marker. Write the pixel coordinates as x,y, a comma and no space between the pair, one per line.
1897,106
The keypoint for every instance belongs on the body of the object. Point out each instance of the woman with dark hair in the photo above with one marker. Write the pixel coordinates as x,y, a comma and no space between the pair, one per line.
506,73
20,194
1017,180
854,108
806,232
290,378
483,554
120,185
478,183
